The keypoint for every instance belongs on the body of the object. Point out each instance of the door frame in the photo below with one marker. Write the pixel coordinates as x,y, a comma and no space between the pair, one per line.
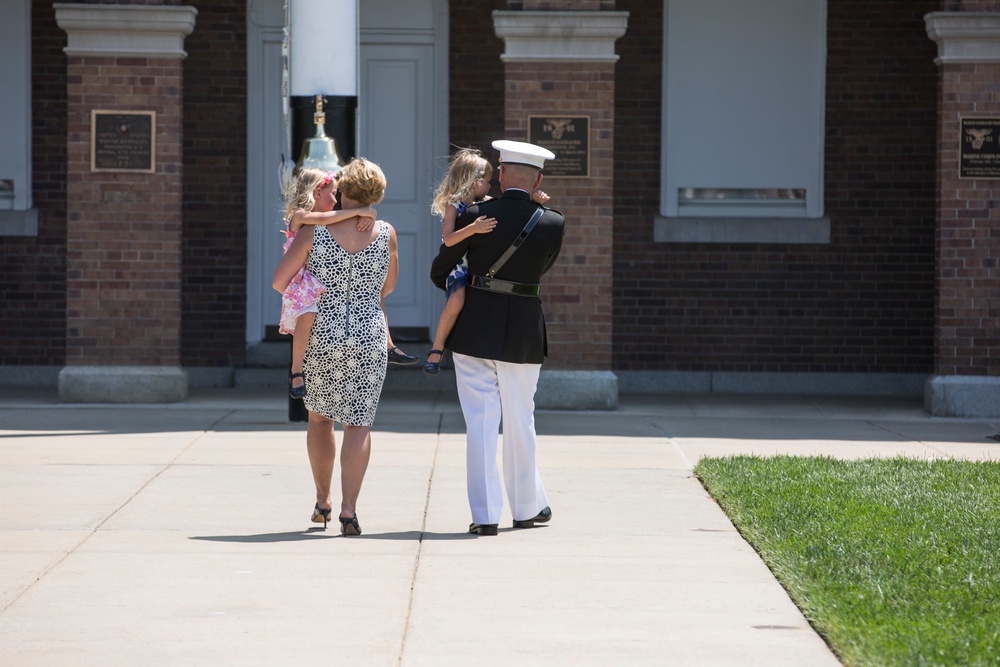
261,226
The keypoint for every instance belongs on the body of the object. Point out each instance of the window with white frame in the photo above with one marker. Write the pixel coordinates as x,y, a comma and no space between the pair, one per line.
16,214
743,107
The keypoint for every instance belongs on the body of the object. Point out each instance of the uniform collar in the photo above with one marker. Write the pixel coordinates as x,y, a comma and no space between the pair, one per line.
515,193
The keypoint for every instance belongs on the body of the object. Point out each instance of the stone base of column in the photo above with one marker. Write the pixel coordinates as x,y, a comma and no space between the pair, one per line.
962,396
122,384
577,390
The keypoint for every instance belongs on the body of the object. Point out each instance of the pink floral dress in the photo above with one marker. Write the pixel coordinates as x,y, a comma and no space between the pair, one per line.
301,295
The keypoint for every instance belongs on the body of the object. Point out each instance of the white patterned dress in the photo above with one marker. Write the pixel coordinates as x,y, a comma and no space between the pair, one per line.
345,361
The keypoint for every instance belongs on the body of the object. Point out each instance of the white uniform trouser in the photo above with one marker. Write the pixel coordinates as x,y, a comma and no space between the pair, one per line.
489,390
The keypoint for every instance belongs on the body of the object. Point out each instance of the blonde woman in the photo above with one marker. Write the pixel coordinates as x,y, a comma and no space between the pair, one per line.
345,360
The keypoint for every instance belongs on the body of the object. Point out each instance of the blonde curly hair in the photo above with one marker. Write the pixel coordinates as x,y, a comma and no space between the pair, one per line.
466,166
299,193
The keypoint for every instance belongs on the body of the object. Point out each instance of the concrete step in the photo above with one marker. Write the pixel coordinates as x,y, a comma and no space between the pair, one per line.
278,354
397,377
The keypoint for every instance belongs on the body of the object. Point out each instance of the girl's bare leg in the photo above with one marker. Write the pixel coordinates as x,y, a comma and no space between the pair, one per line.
354,456
456,300
321,444
300,341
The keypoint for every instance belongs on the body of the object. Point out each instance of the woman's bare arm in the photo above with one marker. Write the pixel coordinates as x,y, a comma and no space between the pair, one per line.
293,259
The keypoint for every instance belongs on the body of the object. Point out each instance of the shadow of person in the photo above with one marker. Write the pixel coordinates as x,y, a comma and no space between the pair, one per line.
319,533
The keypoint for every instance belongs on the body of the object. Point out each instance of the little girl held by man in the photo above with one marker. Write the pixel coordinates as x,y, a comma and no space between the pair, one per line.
466,182
310,200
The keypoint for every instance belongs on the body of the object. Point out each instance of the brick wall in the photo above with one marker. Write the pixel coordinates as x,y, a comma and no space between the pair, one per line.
864,303
967,335
576,293
33,270
123,230
214,230
476,103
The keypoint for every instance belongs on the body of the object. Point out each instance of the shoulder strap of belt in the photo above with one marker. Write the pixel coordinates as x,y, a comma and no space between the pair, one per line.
517,242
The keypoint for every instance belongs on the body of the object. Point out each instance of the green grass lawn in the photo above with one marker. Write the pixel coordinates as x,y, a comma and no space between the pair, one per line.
893,561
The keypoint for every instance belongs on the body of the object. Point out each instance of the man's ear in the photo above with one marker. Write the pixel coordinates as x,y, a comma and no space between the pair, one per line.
538,181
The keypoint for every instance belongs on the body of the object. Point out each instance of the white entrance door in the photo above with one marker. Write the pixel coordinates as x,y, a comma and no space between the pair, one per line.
402,126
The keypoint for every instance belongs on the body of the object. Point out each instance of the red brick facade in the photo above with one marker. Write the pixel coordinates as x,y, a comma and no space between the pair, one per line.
213,319
967,247
123,234
865,303
577,291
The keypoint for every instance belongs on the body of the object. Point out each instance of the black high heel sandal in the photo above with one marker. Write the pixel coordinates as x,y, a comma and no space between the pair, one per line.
296,392
349,525
433,367
320,514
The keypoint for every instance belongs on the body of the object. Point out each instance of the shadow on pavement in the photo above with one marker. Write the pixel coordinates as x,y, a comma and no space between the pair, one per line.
320,534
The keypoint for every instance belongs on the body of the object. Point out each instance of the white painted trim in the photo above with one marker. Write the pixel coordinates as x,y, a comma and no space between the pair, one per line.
742,230
16,215
156,31
965,37
258,175
437,157
547,36
685,167
19,223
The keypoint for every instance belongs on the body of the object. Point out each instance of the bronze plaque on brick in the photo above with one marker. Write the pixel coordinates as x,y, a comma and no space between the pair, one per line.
123,141
979,148
566,136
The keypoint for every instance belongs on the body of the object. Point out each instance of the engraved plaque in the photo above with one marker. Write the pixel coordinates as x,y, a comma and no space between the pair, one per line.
123,141
979,148
566,136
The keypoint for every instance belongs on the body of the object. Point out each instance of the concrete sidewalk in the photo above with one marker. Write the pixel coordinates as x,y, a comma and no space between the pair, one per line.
180,535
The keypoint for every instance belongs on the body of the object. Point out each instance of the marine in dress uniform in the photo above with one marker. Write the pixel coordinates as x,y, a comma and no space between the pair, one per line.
498,342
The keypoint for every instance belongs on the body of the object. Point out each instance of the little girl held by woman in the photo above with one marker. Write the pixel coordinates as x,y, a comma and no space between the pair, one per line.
466,182
310,198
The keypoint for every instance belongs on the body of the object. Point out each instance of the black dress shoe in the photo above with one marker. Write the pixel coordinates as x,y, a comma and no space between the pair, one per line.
400,358
542,517
483,528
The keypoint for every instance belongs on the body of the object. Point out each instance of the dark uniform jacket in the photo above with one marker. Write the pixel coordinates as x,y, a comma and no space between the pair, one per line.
492,325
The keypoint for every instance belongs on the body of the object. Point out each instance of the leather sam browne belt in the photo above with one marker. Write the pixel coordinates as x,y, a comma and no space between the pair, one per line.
503,286
491,284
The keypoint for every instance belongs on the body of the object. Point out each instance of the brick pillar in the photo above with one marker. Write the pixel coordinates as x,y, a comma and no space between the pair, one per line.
561,65
123,245
966,381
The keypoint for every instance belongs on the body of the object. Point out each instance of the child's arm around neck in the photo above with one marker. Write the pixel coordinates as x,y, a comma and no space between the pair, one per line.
451,237
302,217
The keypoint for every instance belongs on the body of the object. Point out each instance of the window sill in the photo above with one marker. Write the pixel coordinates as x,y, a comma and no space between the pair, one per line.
19,223
742,230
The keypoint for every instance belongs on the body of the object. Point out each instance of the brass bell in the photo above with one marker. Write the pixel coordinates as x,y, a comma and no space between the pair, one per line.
320,151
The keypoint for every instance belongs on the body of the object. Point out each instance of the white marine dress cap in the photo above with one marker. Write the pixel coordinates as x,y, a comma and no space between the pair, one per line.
519,152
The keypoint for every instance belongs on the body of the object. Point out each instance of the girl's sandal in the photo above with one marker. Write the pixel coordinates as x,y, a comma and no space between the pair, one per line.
433,367
296,392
